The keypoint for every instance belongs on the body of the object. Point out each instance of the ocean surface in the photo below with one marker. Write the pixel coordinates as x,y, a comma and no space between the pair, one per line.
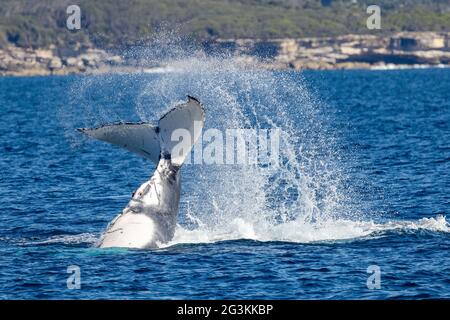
363,184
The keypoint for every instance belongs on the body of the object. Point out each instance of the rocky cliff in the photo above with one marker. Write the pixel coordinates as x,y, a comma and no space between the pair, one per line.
344,52
350,51
28,62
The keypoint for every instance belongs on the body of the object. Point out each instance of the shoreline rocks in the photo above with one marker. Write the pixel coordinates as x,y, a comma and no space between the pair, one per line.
406,49
349,51
16,61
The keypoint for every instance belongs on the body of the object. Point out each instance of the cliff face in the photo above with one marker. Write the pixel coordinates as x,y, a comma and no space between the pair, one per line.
350,51
29,62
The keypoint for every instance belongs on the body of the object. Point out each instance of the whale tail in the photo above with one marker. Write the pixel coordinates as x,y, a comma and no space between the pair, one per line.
172,138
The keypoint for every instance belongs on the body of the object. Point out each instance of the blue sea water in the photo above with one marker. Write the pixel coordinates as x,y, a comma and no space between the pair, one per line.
370,186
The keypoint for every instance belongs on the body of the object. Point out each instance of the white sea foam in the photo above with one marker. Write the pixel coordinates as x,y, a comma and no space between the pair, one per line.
305,232
391,66
291,232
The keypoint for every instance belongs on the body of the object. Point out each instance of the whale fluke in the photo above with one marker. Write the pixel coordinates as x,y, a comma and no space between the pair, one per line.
150,217
139,138
151,141
185,119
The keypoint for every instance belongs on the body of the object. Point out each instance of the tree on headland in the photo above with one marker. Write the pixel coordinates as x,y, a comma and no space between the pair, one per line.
109,23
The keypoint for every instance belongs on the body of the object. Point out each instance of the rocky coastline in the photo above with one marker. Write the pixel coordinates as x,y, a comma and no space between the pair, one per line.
401,50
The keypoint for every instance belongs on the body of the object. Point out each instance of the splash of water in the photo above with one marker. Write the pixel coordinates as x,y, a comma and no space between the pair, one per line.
293,231
303,199
300,232
307,186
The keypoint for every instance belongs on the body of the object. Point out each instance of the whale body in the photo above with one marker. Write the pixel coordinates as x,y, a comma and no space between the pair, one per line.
150,218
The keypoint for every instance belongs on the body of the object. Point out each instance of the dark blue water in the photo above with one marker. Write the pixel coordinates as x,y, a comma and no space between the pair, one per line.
390,136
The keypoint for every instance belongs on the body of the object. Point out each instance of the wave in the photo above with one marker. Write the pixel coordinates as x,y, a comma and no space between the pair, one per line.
304,232
391,66
73,239
290,232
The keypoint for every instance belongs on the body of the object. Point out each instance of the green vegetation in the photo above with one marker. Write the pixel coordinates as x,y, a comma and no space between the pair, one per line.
38,23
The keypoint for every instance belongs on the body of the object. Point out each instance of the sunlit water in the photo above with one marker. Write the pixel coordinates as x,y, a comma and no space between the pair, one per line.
363,180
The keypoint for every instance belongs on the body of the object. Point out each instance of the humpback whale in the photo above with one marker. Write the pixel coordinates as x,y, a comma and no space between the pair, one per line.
150,217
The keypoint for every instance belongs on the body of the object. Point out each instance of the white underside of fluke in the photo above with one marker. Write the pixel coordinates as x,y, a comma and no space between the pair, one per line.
139,138
149,140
